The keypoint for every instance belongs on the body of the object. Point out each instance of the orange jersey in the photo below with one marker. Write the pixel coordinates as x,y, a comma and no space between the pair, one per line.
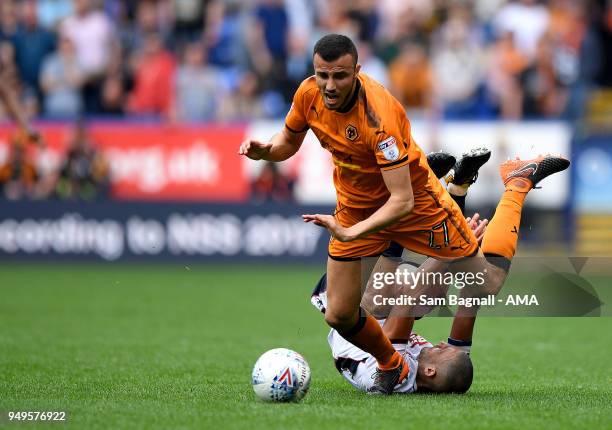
373,134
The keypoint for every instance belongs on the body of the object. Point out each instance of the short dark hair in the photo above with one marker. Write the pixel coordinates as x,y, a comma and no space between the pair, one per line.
333,46
459,374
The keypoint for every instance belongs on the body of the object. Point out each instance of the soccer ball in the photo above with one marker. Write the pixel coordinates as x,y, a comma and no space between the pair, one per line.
281,375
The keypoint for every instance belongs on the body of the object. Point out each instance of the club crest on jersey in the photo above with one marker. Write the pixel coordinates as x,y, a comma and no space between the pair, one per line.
351,132
389,148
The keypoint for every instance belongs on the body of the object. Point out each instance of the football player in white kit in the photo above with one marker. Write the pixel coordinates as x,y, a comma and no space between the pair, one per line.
439,368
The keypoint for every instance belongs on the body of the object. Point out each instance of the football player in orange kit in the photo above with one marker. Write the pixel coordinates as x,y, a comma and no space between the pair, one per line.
385,192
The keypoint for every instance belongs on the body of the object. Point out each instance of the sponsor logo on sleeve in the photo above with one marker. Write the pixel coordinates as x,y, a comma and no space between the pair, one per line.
389,149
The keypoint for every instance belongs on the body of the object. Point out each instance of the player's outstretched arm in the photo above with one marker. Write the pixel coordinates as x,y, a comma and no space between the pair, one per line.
282,146
400,204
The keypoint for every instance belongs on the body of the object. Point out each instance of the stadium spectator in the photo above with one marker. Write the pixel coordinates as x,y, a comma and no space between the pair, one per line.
9,74
301,19
153,69
457,70
505,67
463,11
543,93
224,35
365,15
113,95
298,56
10,95
588,49
18,174
485,10
371,64
273,39
189,18
84,174
8,19
114,87
271,186
271,29
61,80
267,44
332,17
32,44
92,33
244,103
411,77
149,18
301,24
601,25
52,12
197,85
401,20
527,20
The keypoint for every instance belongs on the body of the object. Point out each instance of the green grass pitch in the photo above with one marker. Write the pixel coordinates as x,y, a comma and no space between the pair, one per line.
173,347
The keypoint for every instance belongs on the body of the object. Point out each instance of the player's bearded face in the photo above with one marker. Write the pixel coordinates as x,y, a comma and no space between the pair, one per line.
336,79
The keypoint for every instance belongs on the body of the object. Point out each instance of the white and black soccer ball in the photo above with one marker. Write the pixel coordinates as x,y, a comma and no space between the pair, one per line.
281,375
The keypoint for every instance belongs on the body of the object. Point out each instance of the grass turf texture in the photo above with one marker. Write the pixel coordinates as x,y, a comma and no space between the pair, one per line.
171,347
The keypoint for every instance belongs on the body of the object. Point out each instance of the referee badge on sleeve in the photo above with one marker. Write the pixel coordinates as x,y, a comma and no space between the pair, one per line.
389,148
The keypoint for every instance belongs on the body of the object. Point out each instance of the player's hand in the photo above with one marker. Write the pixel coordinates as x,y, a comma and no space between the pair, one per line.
478,226
329,222
254,149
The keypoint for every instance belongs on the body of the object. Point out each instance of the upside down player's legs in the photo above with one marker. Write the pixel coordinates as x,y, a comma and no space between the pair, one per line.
502,233
499,246
397,329
383,265
343,313
493,261
398,323
500,240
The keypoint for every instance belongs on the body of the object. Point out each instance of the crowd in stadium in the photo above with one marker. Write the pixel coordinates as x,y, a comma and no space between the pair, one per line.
83,174
231,60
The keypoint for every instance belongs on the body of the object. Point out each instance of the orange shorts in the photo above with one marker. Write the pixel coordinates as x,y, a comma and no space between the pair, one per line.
435,228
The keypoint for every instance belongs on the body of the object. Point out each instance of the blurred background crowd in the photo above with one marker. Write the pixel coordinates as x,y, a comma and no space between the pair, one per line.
184,81
83,173
232,61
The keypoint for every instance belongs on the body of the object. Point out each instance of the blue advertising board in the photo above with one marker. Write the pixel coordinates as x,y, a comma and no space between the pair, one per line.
114,231
593,175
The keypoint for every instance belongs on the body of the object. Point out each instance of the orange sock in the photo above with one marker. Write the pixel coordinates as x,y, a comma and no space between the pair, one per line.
394,362
502,232
372,339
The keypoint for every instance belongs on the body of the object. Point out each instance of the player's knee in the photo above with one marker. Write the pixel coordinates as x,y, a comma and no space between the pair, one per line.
495,280
340,320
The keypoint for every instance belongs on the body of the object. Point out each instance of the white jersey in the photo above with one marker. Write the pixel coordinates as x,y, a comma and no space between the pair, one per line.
358,367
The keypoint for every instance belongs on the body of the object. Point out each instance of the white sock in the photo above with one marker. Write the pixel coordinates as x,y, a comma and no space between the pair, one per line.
464,345
457,190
